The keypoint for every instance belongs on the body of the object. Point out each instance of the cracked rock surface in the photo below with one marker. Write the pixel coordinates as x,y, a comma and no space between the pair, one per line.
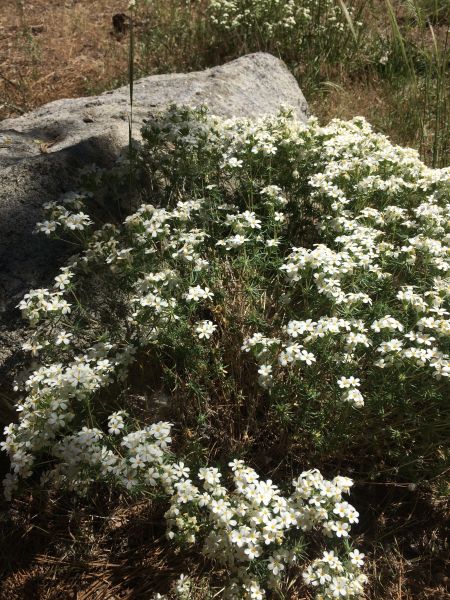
41,152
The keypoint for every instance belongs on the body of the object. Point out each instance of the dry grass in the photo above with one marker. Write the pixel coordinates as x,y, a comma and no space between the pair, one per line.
114,550
52,49
111,548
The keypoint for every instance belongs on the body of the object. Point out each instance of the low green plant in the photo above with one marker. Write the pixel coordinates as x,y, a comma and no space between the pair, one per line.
285,286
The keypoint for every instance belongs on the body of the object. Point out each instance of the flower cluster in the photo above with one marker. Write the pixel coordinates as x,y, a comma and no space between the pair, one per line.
276,17
66,215
347,337
55,393
205,329
255,525
43,303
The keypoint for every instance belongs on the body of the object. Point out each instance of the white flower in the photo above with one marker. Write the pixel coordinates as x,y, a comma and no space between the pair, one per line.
234,162
198,293
180,470
357,558
115,423
265,371
340,528
275,566
205,329
46,227
63,338
354,396
348,382
183,586
339,587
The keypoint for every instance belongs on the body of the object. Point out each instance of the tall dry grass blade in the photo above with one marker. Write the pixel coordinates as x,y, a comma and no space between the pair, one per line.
399,40
349,20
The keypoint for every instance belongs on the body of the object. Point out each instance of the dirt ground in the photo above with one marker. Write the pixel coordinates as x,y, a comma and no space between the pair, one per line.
58,49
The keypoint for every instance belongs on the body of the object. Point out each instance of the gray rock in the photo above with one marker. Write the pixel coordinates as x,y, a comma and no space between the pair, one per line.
41,151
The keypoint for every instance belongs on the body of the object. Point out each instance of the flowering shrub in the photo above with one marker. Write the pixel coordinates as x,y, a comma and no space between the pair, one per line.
269,14
250,530
274,16
348,237
290,26
255,529
338,244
